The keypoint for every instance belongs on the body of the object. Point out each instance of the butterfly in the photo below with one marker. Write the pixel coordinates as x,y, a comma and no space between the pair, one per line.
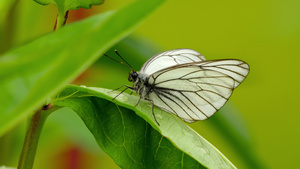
182,82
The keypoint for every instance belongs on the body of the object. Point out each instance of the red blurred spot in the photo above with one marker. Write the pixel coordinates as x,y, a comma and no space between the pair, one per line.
76,15
73,157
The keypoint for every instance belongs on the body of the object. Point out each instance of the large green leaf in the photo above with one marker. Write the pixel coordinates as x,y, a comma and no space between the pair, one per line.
34,71
136,140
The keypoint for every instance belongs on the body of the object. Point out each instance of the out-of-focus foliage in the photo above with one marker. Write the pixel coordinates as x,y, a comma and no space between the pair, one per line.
55,59
263,109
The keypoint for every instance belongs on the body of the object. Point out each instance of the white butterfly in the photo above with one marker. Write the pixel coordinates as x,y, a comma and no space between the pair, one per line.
184,83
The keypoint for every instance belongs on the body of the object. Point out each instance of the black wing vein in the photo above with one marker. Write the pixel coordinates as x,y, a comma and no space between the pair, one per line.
163,93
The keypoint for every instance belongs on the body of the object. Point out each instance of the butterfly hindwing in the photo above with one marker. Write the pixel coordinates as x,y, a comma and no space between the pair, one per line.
236,69
195,91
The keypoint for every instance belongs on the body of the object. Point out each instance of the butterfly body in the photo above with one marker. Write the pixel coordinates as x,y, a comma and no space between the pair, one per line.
140,84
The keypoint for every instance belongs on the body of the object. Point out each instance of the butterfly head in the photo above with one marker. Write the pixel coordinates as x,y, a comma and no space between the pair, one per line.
133,75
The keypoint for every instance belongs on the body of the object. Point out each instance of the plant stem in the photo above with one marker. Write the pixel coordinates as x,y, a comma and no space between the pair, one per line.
61,20
32,136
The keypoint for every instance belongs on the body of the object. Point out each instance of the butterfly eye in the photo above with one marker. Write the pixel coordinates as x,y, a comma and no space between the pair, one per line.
132,76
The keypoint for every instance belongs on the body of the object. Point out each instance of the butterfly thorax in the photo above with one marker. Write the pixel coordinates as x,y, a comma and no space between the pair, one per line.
140,83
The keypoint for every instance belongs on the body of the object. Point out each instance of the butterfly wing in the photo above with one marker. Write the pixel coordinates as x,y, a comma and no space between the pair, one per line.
170,58
195,91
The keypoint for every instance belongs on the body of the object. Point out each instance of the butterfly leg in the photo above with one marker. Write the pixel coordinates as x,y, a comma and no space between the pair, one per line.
153,110
138,101
122,90
121,87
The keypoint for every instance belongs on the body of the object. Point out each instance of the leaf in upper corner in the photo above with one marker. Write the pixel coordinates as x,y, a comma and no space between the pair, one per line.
65,5
34,71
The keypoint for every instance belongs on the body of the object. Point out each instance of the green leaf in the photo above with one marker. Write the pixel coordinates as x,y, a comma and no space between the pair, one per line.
134,140
31,73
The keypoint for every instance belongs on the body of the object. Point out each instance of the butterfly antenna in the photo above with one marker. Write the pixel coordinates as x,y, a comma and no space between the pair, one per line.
123,59
119,61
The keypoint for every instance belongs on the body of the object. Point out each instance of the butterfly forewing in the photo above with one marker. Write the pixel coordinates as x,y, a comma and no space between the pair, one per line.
195,91
170,58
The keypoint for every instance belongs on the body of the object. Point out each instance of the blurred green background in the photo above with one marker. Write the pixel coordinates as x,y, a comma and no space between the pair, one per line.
265,34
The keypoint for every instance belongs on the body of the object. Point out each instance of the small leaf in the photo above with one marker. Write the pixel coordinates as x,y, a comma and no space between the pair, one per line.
134,140
66,5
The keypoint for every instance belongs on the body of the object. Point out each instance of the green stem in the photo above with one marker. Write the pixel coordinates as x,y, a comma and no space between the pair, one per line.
32,137
61,19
